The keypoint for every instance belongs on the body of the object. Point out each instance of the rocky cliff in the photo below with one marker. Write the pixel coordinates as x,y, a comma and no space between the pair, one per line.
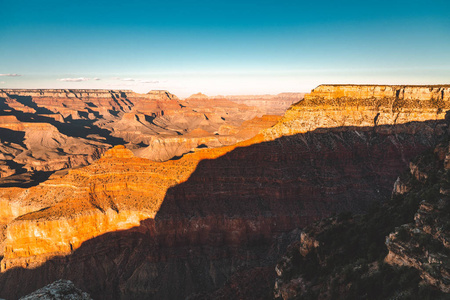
397,250
424,243
363,105
196,222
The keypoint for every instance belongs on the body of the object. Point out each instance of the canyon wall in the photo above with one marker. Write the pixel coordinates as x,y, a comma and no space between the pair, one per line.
197,221
363,105
400,247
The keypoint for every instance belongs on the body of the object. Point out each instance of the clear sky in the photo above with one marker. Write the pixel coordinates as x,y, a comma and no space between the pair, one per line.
222,47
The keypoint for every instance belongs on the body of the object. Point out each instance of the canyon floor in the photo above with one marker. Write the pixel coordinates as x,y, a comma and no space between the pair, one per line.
148,196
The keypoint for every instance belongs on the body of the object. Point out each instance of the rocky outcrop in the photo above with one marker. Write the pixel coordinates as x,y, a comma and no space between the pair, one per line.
72,104
39,146
58,290
115,193
340,257
425,244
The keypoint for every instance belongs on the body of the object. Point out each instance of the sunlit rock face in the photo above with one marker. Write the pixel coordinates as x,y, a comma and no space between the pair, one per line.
363,105
115,193
194,222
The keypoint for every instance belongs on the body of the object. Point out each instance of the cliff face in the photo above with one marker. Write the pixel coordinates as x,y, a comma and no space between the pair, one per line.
358,105
402,92
424,244
115,193
399,249
196,221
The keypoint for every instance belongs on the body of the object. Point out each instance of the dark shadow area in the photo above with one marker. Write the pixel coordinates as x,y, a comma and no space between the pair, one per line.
3,105
76,128
24,179
178,157
8,136
142,145
28,101
236,212
90,104
316,173
149,118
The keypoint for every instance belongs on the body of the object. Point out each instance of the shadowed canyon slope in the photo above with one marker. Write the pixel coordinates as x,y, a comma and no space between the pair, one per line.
399,249
128,227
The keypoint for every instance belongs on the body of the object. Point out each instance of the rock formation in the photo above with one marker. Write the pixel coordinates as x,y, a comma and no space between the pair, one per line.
48,130
58,290
424,243
381,254
135,228
330,106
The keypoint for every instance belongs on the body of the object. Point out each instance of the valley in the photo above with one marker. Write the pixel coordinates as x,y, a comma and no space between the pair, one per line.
130,195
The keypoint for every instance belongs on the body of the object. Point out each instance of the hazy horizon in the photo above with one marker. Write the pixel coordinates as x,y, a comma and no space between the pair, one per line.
222,48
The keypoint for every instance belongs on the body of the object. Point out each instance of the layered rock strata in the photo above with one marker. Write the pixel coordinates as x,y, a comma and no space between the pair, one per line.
334,106
53,121
215,211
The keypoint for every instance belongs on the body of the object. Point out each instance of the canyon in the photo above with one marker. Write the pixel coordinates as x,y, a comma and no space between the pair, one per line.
197,196
47,130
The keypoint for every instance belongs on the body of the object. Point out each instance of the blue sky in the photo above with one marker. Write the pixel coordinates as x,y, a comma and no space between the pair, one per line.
222,47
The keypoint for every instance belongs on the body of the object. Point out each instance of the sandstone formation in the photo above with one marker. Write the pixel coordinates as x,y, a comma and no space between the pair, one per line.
115,193
128,226
334,106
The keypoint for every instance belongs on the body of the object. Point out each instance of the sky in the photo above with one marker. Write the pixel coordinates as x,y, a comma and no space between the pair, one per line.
222,47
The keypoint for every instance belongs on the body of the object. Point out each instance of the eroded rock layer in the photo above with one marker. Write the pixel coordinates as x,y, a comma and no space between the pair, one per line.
330,106
194,222
46,130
